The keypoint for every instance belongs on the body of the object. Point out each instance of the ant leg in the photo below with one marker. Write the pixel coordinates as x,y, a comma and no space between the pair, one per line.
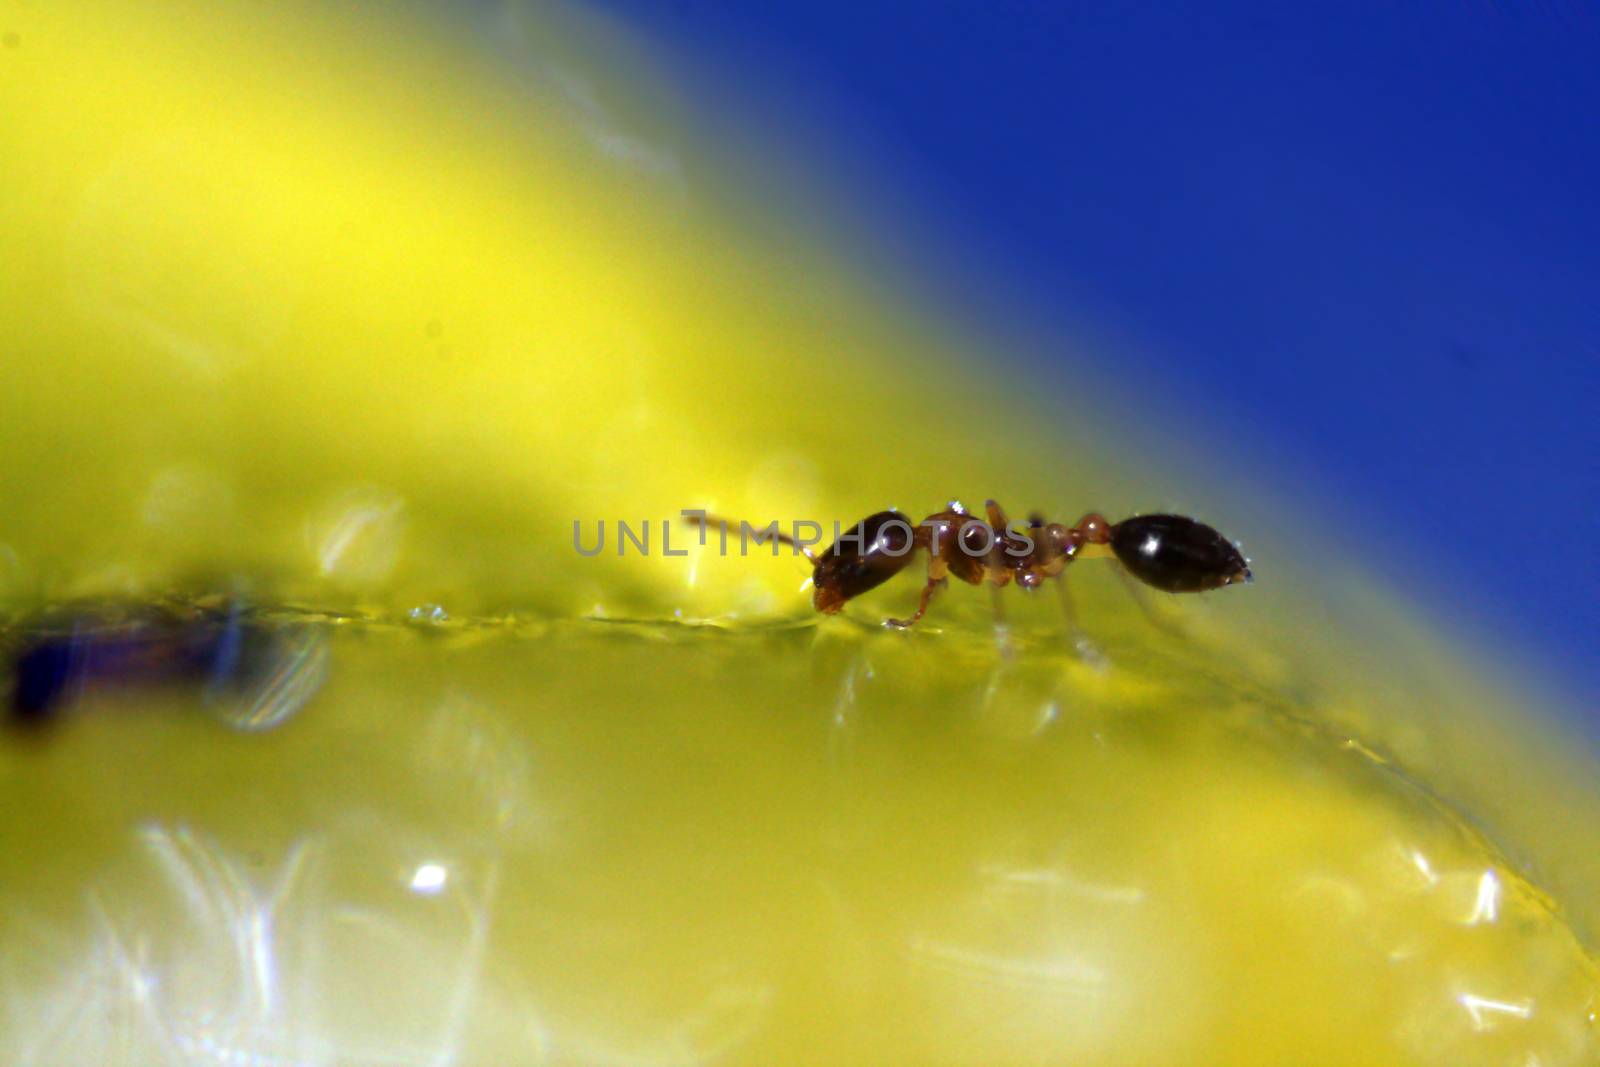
1151,613
1085,648
933,586
1068,608
1002,629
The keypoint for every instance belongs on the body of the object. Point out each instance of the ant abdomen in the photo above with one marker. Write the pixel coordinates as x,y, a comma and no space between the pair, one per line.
1177,554
865,556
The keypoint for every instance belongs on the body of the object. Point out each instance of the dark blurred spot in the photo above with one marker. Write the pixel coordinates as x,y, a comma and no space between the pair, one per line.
1463,356
43,671
252,675
10,39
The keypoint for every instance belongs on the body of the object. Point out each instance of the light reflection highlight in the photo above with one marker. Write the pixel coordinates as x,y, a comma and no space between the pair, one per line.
429,879
1487,906
1421,863
1054,975
1484,1011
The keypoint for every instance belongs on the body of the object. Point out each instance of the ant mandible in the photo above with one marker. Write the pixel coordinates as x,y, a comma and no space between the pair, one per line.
1172,553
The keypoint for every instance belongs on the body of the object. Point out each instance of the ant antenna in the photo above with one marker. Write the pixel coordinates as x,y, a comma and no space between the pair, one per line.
710,522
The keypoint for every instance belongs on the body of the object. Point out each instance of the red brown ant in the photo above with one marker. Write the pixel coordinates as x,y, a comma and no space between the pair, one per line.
1172,553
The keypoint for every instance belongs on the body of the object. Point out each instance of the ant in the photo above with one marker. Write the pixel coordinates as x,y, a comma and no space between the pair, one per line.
1172,553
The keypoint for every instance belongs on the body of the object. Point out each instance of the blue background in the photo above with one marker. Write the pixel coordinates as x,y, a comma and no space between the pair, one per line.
1368,234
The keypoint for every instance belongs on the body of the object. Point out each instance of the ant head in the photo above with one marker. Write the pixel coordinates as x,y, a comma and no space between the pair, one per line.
865,556
827,597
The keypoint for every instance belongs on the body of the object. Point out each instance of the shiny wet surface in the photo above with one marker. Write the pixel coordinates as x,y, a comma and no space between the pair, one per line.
585,842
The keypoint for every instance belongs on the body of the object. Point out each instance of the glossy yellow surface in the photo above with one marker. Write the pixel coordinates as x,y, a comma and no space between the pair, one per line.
357,314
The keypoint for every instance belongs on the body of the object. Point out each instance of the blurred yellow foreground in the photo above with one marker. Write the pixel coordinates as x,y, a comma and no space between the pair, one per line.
355,316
